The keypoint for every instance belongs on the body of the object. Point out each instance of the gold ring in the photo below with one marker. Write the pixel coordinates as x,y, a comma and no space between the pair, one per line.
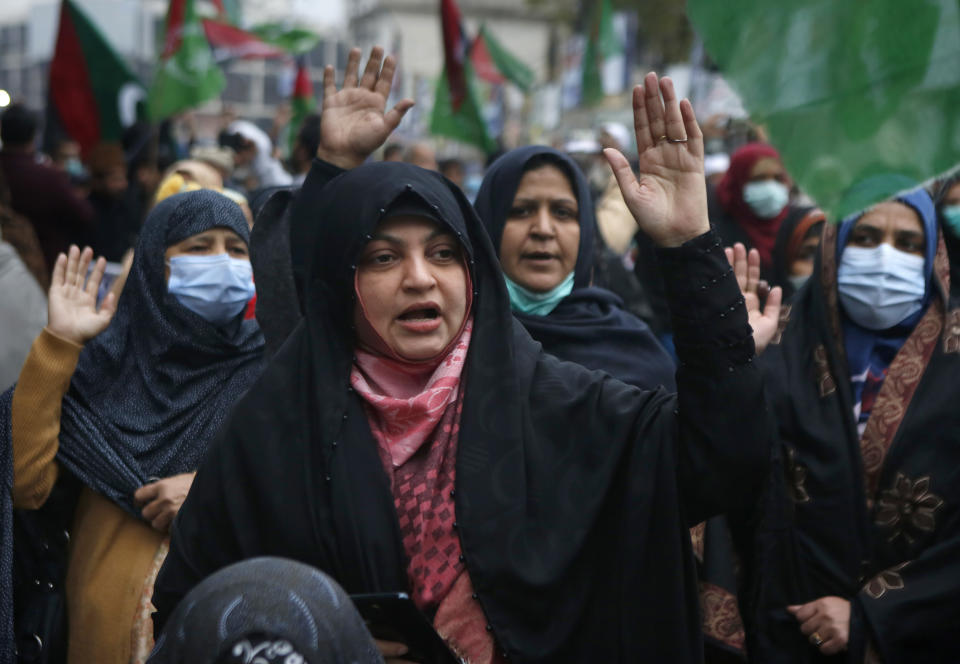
663,138
816,640
677,140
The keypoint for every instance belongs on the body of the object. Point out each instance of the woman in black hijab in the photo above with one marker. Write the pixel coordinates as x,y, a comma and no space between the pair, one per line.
127,406
561,497
795,248
547,260
271,609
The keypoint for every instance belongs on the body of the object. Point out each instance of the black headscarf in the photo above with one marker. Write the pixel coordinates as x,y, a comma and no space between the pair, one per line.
589,326
781,247
573,490
150,392
277,609
278,304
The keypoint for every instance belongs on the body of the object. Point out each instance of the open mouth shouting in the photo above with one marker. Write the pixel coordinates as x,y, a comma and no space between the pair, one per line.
539,257
420,318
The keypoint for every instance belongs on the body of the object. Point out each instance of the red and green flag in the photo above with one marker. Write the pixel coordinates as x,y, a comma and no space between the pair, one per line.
295,41
230,42
495,64
92,91
302,102
848,91
456,110
229,10
601,43
187,74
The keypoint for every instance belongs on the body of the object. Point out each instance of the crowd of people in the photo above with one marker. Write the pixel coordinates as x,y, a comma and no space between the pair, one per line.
584,409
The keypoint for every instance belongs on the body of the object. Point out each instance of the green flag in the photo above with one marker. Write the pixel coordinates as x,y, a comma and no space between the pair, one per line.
506,63
293,40
848,91
187,75
465,124
601,43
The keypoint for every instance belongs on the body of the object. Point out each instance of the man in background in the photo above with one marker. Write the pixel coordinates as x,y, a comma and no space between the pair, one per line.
41,193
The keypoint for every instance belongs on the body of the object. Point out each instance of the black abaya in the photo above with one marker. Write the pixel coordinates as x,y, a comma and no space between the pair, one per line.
574,491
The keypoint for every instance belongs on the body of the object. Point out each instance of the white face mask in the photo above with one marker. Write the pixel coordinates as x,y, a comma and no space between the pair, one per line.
766,198
880,287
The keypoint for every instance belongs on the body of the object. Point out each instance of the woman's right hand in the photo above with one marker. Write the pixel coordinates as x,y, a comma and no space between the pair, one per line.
72,312
353,123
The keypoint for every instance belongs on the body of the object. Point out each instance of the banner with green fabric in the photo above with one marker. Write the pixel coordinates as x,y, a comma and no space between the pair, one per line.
292,40
187,74
486,49
456,106
601,43
465,124
847,91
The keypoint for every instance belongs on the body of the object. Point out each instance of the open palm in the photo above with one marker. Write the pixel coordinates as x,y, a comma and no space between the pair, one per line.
72,303
353,121
765,320
669,201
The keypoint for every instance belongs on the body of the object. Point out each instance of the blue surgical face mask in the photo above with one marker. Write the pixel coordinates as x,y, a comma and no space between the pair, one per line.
766,198
527,301
880,287
951,219
215,287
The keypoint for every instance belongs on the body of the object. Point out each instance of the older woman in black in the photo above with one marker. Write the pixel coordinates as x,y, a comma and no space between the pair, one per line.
535,203
542,513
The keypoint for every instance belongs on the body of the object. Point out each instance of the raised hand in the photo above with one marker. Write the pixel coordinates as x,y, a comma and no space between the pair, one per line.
669,201
766,321
352,122
72,312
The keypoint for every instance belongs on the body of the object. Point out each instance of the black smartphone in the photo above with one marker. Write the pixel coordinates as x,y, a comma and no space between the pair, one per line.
394,617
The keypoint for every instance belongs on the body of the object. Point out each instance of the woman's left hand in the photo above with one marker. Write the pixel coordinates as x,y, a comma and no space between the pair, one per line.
669,201
162,499
765,321
829,619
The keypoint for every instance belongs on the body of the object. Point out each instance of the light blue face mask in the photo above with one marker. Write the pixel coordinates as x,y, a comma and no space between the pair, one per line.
527,301
881,286
215,287
766,198
951,219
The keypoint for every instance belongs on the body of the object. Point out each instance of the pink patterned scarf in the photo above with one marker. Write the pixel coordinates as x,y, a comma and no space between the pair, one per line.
414,414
